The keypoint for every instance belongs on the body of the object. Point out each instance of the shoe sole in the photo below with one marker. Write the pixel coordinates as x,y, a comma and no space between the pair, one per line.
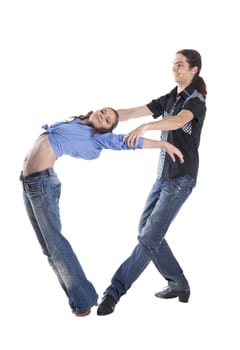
81,314
183,297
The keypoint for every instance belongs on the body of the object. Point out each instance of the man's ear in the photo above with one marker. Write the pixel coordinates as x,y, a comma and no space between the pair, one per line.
194,70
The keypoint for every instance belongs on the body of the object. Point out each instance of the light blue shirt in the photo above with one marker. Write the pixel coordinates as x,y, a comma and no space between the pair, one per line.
79,140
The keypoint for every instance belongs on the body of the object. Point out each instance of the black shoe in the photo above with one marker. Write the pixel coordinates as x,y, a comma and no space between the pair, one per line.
169,293
106,306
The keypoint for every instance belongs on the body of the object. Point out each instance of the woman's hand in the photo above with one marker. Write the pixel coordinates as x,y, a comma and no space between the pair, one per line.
172,151
131,139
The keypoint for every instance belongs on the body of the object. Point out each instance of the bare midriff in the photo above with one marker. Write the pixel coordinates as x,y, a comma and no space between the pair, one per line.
40,157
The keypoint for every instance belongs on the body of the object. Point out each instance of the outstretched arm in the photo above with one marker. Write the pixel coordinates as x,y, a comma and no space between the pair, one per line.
131,113
170,148
119,142
172,123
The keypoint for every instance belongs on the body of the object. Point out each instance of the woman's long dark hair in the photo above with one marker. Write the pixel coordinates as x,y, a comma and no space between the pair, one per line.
99,130
194,60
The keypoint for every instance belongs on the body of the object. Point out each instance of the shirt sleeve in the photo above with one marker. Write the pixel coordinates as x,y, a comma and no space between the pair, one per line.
158,106
115,142
196,106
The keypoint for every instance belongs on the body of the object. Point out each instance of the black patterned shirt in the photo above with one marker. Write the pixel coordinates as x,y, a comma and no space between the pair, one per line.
187,138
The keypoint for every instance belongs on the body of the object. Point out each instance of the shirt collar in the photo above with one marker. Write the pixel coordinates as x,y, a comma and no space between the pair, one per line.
185,93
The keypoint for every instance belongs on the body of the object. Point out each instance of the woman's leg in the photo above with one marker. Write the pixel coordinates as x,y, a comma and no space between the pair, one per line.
42,201
42,242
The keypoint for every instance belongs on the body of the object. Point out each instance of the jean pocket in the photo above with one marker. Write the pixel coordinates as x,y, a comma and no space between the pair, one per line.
32,188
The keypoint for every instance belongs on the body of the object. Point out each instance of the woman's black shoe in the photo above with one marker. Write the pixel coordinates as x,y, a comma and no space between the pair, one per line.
106,306
169,293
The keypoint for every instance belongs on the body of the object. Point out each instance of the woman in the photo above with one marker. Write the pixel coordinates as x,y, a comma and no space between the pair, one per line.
80,137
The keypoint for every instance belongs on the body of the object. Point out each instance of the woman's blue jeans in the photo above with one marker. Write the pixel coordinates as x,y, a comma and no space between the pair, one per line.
163,203
41,193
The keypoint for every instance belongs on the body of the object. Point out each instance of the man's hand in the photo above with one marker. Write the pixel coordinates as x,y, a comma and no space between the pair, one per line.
132,138
172,151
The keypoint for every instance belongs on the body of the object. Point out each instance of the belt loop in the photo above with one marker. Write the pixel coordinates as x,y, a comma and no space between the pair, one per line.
21,176
50,171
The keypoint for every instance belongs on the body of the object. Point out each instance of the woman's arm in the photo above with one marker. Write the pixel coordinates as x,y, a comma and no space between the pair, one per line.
131,113
170,149
118,142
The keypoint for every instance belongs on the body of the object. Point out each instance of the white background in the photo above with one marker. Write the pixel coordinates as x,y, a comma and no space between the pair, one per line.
62,58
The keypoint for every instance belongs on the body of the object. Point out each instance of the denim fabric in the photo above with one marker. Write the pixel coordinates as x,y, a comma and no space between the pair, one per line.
41,195
163,203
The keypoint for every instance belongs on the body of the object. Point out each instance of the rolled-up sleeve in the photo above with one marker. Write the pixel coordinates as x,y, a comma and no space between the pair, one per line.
115,142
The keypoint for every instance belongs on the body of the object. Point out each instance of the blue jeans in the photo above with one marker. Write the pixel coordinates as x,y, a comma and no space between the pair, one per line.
163,203
41,193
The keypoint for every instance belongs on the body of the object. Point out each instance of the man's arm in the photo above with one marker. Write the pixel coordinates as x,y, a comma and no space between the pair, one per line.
131,113
172,123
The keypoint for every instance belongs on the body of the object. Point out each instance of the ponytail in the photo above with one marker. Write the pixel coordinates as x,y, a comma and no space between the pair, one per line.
194,60
200,85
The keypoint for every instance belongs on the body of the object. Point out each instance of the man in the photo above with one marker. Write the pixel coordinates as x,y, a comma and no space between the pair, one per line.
183,111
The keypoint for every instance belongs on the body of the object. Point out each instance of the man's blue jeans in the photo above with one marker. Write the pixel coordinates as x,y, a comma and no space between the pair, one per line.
41,195
163,203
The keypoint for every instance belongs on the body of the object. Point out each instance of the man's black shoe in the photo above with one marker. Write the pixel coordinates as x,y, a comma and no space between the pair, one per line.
169,293
106,306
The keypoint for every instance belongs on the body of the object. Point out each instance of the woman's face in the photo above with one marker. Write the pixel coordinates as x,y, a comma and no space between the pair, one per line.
103,118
